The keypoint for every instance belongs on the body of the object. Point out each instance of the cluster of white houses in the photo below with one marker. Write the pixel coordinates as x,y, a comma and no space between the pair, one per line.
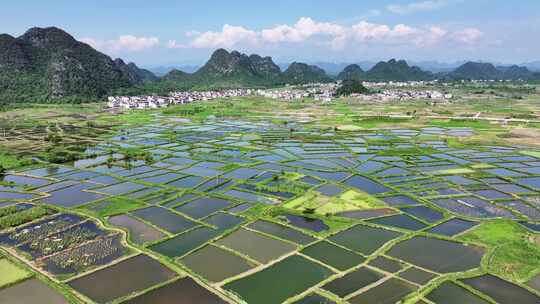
153,102
400,84
397,95
318,91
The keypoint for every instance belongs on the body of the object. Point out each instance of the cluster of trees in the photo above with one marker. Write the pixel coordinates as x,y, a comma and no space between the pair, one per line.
352,86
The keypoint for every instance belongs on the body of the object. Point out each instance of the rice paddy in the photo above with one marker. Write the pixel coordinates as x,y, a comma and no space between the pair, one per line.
252,211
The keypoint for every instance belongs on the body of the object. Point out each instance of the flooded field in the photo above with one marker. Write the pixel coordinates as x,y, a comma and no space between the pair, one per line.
353,281
334,256
256,246
216,264
438,255
449,293
501,290
134,274
41,293
230,211
181,291
280,281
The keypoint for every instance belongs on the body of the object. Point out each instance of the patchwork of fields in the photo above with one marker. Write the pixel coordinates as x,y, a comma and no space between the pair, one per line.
256,212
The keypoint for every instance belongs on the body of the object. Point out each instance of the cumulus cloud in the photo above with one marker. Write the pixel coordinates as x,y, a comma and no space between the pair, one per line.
414,7
228,37
468,35
333,35
304,29
433,36
365,31
125,43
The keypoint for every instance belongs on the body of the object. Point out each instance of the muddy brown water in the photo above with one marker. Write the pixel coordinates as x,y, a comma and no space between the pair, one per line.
135,274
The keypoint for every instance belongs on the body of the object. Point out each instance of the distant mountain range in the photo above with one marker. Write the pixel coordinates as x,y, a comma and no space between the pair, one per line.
533,66
488,71
47,64
234,69
163,70
333,69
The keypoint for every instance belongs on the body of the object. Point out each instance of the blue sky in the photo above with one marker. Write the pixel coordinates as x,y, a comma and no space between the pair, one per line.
153,33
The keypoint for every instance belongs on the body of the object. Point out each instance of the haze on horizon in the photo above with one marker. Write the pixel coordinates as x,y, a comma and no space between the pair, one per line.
171,33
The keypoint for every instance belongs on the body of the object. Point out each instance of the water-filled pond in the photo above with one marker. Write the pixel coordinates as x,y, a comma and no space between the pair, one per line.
386,264
121,188
425,213
216,264
353,281
304,222
366,214
165,219
400,221
282,232
182,291
367,185
453,227
41,293
314,299
533,182
139,232
224,221
25,180
364,239
282,280
186,242
438,255
502,291
417,275
450,293
110,283
388,292
203,207
257,246
334,256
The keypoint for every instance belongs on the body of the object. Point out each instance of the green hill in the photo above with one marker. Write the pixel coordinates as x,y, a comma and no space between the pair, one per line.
233,69
352,71
487,71
301,73
394,70
47,64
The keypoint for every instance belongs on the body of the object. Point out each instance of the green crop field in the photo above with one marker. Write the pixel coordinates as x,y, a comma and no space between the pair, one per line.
11,273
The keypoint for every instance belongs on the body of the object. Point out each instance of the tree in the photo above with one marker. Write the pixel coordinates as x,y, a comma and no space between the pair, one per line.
309,211
350,86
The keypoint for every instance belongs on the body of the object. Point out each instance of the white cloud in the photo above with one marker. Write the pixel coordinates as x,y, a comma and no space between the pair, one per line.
125,43
468,35
305,29
228,37
419,6
433,36
365,31
333,35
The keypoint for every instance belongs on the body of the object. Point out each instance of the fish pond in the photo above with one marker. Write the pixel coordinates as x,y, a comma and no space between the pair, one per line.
256,211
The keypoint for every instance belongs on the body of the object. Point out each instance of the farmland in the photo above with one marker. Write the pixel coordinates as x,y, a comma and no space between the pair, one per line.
262,201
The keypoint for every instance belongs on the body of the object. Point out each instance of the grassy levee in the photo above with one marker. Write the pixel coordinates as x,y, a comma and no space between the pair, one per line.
514,253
